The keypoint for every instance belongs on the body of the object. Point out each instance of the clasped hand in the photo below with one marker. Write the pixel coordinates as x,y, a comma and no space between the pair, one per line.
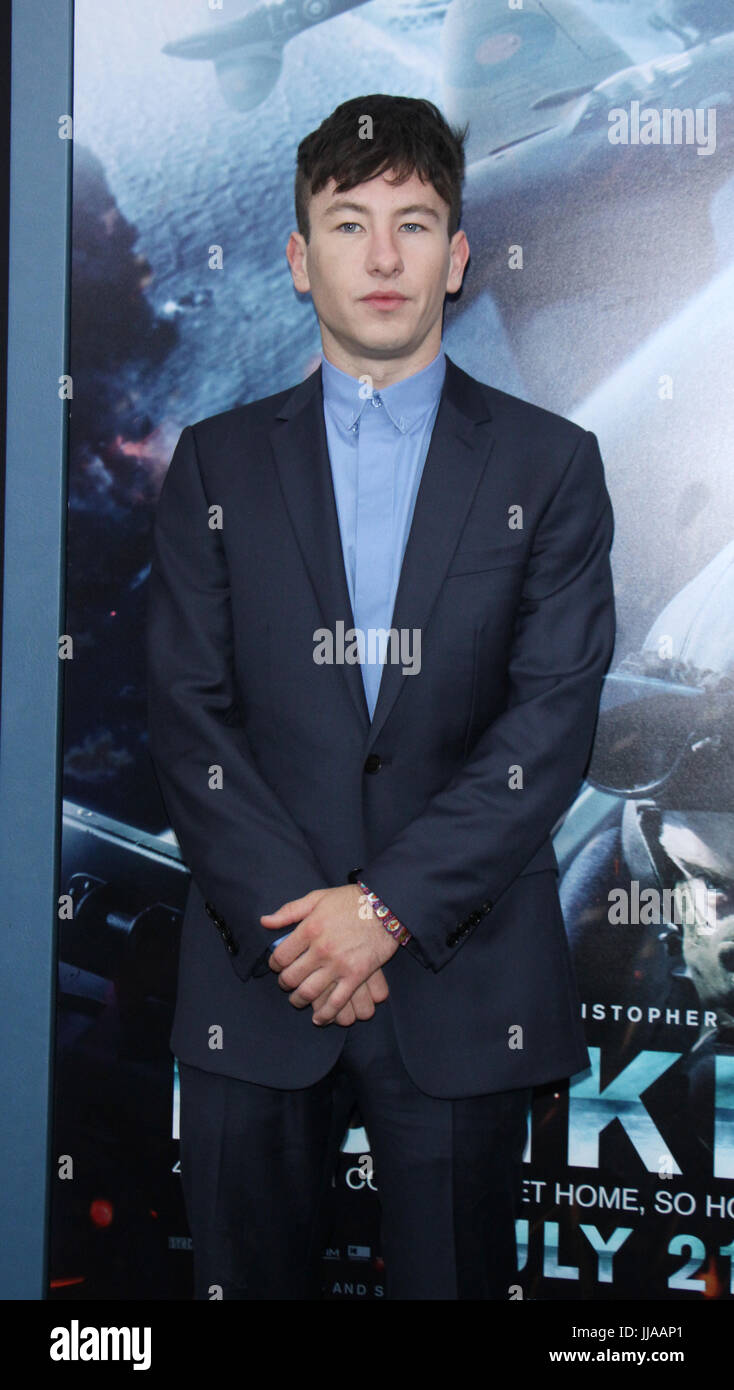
333,960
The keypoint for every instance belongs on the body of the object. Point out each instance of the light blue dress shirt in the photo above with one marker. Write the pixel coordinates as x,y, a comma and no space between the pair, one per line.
378,442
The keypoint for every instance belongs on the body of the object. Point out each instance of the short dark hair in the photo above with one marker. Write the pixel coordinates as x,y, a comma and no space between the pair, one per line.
409,135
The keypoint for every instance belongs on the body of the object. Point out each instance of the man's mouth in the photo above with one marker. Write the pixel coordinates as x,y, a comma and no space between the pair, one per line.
384,301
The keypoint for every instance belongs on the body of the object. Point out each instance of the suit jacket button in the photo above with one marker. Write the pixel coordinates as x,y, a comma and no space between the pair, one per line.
474,918
373,763
353,875
451,939
487,907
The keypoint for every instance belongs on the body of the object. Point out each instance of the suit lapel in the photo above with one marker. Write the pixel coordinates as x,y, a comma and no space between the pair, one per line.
460,446
302,459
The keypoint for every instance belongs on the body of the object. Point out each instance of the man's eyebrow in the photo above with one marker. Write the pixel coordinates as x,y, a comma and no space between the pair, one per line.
342,205
696,868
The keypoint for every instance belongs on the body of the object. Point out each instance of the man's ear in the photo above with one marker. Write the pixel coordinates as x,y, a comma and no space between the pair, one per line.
296,254
459,254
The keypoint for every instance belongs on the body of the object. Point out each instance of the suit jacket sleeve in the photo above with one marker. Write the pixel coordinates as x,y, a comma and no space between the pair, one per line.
444,871
245,852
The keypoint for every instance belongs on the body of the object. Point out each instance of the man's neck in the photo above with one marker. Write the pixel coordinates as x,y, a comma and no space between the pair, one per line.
382,373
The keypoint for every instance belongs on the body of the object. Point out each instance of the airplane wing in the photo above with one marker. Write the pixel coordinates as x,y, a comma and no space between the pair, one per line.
512,72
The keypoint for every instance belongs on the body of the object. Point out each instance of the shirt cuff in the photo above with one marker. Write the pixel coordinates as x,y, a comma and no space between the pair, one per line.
272,944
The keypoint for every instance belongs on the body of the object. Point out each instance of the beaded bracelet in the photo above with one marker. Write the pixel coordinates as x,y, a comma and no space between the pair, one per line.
388,920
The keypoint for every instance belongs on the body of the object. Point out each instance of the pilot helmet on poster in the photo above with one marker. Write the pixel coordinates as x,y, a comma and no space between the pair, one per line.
665,742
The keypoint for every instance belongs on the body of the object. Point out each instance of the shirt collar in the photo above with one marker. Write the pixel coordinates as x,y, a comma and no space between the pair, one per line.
405,401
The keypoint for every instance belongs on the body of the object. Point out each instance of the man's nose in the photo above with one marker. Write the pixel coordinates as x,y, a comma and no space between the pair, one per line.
384,254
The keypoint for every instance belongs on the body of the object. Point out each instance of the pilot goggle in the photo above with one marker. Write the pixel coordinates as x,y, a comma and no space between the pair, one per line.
674,742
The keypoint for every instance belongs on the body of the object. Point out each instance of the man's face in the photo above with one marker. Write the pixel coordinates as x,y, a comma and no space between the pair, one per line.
702,845
375,241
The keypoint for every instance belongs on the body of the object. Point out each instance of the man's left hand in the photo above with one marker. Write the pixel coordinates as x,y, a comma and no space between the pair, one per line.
333,950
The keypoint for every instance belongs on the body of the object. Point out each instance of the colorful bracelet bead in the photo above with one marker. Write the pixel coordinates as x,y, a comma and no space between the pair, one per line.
387,918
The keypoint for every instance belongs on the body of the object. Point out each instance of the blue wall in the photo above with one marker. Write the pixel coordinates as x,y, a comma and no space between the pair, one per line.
40,200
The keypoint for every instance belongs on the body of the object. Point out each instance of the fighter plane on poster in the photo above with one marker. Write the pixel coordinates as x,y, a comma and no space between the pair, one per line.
508,70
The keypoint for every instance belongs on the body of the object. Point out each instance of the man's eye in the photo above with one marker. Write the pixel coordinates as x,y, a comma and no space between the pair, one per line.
721,897
419,225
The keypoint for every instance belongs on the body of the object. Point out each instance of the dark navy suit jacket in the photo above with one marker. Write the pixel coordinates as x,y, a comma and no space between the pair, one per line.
276,783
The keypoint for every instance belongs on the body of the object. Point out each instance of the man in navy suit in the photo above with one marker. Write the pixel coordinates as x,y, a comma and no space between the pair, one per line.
381,610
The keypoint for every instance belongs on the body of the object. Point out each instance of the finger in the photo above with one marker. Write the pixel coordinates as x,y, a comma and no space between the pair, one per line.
299,955
346,1016
322,1002
340,995
289,950
372,991
311,960
362,1002
293,910
314,990
377,986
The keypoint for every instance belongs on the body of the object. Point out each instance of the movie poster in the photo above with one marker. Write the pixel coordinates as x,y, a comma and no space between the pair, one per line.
599,209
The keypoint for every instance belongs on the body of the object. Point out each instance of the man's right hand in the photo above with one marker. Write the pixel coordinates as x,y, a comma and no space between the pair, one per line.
362,1003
